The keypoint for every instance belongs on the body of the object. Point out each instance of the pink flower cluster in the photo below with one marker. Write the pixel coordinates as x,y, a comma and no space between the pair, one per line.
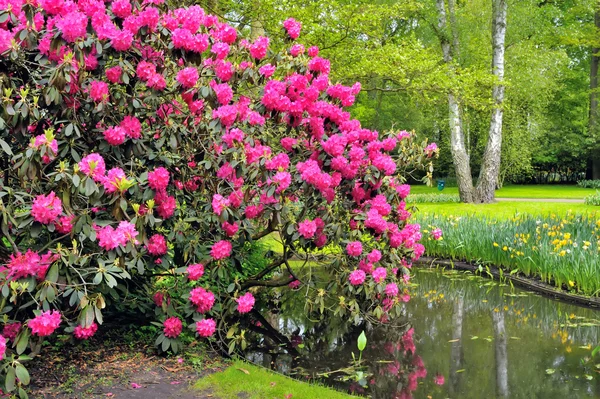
45,324
195,271
203,299
110,238
245,303
28,264
292,27
46,208
206,327
81,332
172,327
221,250
157,245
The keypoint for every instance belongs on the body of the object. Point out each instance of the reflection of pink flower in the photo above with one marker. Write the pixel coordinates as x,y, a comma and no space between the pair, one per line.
439,379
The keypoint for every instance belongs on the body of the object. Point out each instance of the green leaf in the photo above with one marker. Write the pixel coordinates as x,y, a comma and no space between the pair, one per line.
22,374
5,147
52,275
22,342
10,379
362,341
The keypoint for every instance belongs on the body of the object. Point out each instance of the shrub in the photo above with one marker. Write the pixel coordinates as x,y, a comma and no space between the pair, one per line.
593,199
589,183
141,142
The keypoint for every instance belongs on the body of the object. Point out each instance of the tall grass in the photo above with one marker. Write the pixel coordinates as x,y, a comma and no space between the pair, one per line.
562,250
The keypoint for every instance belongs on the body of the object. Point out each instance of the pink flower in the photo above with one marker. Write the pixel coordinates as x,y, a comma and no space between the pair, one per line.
296,50
379,274
374,256
145,70
93,165
283,181
391,290
357,277
313,51
204,300
230,228
11,330
2,347
121,40
81,332
267,70
45,324
113,74
195,271
288,143
98,91
157,245
121,8
165,204
354,248
132,127
115,180
46,208
221,250
29,264
135,385
258,49
293,28
158,179
245,302
73,26
431,149
439,379
115,135
403,190
219,204
64,225
172,327
295,284
307,228
436,234
188,77
206,327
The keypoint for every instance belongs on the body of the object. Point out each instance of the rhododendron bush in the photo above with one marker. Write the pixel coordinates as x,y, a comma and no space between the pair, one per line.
140,142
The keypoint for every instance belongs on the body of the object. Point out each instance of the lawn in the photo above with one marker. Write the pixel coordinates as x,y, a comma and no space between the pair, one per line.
243,380
506,210
524,191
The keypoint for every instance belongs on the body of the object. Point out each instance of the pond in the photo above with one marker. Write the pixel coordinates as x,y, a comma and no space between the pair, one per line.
464,337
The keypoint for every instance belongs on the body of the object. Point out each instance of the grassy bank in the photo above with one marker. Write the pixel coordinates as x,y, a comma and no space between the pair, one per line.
521,191
562,250
244,380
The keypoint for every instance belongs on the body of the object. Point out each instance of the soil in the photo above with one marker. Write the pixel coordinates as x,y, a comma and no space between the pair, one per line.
117,371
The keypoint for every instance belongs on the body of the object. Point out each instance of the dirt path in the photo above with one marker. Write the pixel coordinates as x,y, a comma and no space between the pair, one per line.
563,200
118,372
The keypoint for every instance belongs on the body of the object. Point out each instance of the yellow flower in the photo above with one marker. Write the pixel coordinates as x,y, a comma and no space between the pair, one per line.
505,248
496,244
571,283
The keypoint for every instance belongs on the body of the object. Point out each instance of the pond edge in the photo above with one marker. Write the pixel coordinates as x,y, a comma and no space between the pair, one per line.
518,280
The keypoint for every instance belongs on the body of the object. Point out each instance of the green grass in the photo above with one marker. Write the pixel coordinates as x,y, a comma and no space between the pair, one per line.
506,210
518,191
244,380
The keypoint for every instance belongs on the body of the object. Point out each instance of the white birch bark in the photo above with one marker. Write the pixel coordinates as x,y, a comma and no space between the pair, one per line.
490,168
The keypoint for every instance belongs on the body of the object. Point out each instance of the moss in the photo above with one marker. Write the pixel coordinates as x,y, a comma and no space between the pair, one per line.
244,380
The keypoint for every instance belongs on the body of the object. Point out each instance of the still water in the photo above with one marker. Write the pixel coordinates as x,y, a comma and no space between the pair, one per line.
463,337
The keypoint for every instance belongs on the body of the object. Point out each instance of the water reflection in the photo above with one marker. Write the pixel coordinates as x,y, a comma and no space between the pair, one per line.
466,337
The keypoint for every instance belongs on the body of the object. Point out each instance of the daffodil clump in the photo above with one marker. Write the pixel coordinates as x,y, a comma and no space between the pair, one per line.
563,250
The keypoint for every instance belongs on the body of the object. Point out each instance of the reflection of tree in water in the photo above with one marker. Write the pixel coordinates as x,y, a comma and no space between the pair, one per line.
389,363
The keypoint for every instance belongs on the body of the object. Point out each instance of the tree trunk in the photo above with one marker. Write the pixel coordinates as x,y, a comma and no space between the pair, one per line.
460,156
594,168
500,344
490,168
